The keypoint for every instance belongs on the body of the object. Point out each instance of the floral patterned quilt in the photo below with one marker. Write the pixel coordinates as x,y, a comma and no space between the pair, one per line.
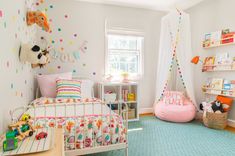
84,131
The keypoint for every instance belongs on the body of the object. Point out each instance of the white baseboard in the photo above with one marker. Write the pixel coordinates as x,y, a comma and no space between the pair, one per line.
231,123
145,110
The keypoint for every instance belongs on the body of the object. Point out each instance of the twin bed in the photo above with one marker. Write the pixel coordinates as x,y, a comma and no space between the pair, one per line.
90,126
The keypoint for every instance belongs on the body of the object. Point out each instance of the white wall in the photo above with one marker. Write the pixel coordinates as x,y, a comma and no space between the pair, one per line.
209,16
16,85
88,21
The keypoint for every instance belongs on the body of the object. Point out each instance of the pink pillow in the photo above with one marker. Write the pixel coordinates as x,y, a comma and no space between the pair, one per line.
47,83
173,97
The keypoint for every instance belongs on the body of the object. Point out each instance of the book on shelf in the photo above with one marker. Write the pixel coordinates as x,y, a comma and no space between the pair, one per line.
215,38
217,83
208,63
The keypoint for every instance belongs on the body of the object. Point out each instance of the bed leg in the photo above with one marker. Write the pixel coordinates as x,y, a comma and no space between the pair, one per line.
126,151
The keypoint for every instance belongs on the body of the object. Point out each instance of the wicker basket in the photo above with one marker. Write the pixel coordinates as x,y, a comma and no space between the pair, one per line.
215,120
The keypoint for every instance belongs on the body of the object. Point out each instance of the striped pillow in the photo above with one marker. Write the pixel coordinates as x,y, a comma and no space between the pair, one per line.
68,88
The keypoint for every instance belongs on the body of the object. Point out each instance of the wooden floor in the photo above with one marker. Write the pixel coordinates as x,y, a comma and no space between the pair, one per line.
228,128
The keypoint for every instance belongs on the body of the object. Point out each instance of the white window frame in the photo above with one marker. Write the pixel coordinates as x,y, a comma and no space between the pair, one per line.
127,33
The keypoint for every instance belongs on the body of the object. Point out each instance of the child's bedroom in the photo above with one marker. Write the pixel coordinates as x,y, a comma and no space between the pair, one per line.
117,77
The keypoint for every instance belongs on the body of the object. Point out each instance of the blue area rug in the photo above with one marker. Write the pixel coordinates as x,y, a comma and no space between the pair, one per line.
159,138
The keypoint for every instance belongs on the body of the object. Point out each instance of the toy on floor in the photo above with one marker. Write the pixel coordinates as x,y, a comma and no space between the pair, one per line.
39,18
21,129
34,54
41,135
11,142
25,117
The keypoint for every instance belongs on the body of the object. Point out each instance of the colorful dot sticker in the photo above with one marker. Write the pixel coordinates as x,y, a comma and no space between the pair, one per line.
1,13
74,71
51,6
59,29
94,73
12,86
8,64
75,35
61,40
66,16
58,67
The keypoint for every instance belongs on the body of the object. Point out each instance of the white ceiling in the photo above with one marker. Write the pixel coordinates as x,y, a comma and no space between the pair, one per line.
162,5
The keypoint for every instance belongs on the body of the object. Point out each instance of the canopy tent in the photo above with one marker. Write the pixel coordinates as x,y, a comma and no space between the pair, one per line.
174,68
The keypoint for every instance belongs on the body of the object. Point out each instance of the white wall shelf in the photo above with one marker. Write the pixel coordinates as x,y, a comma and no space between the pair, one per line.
117,87
208,91
220,44
218,68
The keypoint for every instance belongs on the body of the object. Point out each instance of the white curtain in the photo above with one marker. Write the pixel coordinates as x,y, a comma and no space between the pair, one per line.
168,37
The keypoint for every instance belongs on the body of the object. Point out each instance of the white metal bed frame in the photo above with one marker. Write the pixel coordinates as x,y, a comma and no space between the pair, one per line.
83,151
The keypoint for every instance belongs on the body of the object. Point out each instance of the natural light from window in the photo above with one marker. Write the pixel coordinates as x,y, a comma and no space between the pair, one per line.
124,54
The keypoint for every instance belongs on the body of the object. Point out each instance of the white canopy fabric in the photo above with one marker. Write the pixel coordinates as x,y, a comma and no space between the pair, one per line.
175,37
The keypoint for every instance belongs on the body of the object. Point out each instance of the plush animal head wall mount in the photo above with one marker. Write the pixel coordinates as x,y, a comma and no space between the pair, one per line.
39,18
34,55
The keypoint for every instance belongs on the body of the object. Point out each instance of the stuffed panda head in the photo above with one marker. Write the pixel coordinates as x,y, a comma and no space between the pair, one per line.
34,55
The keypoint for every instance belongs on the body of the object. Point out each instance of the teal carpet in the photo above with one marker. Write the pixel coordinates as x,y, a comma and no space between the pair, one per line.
159,138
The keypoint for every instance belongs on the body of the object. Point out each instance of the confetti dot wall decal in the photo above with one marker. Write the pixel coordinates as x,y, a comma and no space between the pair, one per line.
83,64
94,73
51,6
61,40
5,24
1,13
12,86
59,29
74,71
75,35
8,64
66,16
71,42
59,67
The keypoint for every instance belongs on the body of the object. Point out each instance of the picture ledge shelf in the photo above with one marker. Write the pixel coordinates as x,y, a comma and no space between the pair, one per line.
227,67
220,45
207,91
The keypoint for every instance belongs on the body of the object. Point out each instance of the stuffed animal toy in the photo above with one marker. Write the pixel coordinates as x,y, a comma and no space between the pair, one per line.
217,107
34,55
39,18
206,107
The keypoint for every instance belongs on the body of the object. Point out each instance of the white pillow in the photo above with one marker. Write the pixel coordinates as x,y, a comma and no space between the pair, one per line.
86,88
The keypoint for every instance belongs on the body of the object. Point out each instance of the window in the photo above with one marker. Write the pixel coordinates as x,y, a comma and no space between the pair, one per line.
124,54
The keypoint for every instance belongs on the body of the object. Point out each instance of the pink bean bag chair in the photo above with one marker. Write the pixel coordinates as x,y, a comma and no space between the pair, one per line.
175,108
